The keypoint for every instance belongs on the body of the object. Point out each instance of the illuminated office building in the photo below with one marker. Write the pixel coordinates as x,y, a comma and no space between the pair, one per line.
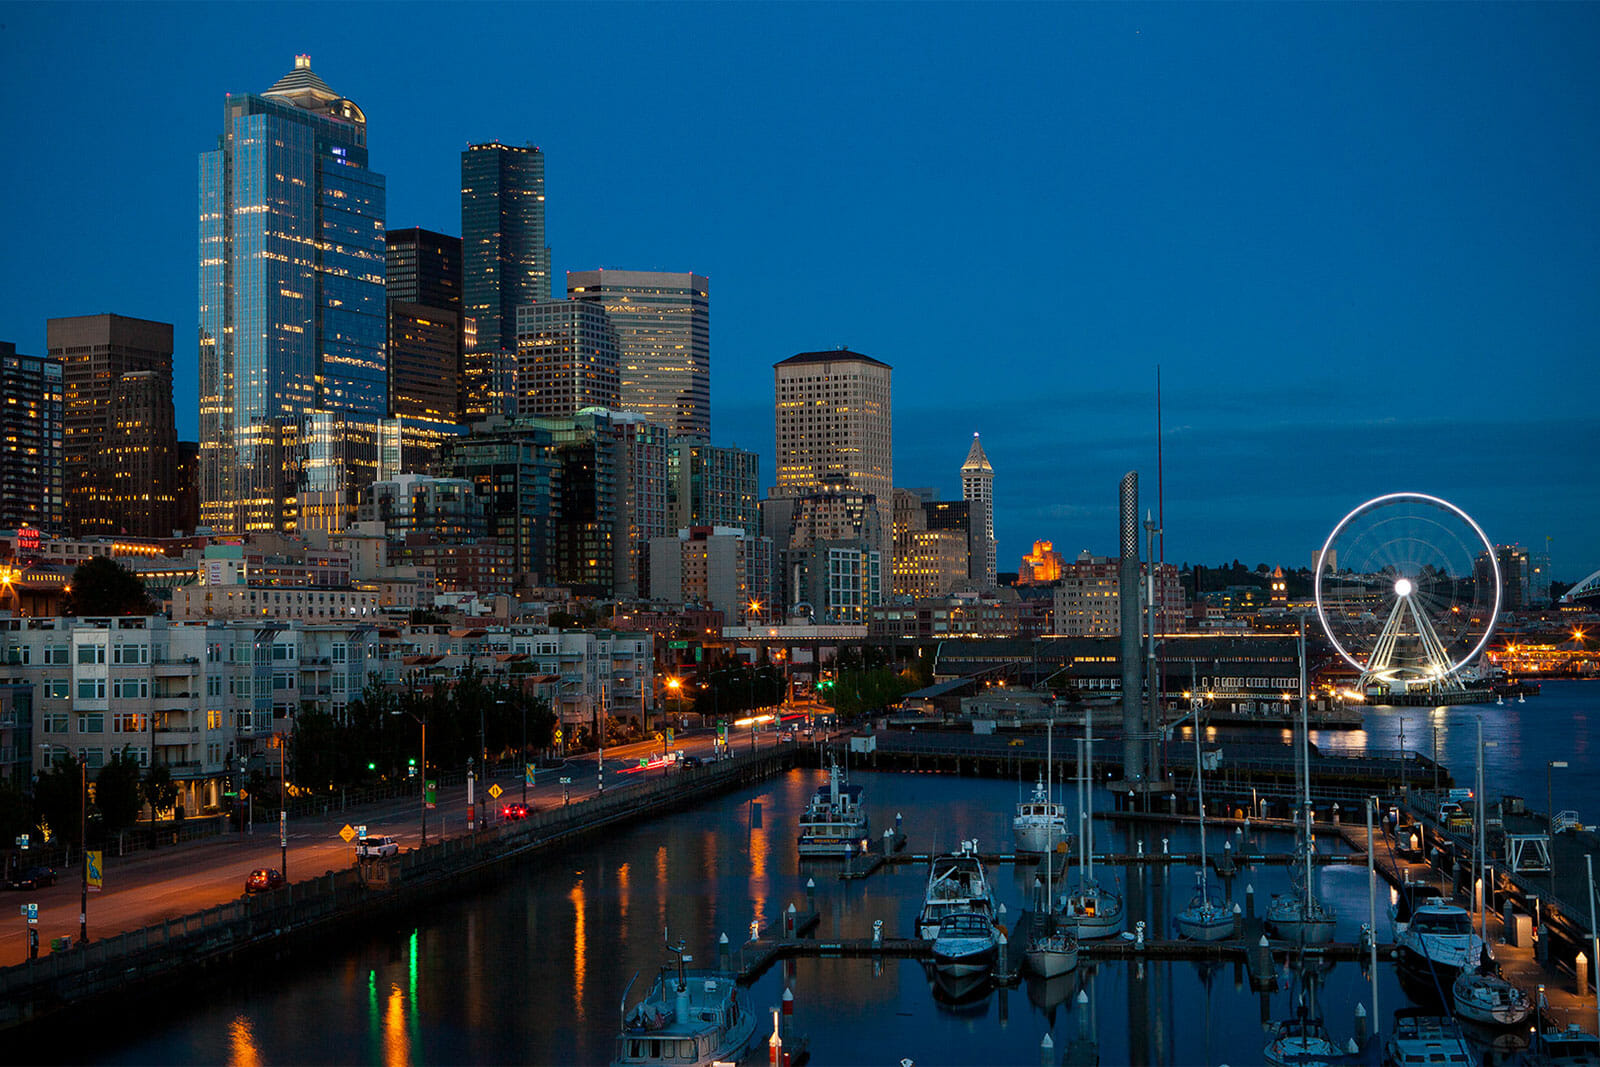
505,263
711,486
977,489
292,307
30,442
425,325
567,357
120,448
663,325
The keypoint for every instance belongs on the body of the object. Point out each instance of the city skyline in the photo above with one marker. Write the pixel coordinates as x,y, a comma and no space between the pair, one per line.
1360,272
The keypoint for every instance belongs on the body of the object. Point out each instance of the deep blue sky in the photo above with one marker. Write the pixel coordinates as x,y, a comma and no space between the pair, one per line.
1361,240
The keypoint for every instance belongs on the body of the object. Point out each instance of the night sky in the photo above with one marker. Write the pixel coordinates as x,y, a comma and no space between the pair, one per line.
1360,240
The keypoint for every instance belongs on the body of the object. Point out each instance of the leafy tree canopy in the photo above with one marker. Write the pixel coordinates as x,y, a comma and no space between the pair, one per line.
102,586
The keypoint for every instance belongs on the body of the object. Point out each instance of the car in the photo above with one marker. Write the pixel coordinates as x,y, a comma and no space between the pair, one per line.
687,760
33,878
785,735
376,846
263,880
514,811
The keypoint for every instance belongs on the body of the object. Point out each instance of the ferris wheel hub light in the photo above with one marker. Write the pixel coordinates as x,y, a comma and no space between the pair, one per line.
1403,587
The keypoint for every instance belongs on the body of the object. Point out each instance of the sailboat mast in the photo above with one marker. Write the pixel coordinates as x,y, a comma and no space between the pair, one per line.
1305,764
1200,793
1481,877
1088,793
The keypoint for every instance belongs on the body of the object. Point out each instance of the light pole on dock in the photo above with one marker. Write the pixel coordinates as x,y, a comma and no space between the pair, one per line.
1550,811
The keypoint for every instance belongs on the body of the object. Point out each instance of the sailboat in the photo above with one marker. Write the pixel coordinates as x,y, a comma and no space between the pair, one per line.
1204,919
1480,993
1092,909
1304,1041
1051,949
1299,916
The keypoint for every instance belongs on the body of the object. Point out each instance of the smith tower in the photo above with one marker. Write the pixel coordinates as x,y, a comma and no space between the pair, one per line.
977,489
292,314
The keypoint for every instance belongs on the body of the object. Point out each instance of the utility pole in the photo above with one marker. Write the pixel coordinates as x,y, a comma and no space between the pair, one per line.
83,830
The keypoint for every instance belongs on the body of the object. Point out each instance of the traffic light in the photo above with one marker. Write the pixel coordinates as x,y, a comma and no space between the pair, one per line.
371,765
411,768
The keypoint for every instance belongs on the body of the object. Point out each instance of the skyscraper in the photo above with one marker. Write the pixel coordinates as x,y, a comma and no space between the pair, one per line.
977,489
427,340
566,359
292,310
120,449
663,324
833,418
30,442
505,262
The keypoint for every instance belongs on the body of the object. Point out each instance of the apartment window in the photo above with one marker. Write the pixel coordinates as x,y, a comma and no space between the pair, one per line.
214,719
55,722
18,654
338,652
283,681
93,722
130,654
91,688
130,688
128,722
58,688
57,655
214,686
94,758
91,653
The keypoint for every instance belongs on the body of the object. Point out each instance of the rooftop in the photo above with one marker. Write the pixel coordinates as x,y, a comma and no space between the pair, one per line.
834,355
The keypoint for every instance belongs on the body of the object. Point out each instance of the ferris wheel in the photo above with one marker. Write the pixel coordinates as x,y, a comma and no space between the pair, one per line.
1408,591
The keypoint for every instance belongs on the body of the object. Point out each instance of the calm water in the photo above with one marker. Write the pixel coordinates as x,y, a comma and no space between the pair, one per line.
533,971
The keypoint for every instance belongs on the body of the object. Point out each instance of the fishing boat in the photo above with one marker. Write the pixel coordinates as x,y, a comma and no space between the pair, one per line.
1040,820
1298,915
956,884
1089,908
1204,919
835,821
1480,993
694,1018
967,943
1420,1037
1050,948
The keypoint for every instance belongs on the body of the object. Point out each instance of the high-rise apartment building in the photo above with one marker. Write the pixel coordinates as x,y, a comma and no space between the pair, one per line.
120,445
663,325
567,359
711,486
505,263
31,491
977,489
292,308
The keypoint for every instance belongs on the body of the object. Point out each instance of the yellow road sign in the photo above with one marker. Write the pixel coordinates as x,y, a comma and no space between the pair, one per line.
495,791
348,833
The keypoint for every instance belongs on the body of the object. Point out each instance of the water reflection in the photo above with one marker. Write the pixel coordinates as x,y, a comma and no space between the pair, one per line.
580,948
396,1039
242,1050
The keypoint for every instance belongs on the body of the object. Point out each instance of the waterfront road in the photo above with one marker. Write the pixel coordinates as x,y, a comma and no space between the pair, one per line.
147,888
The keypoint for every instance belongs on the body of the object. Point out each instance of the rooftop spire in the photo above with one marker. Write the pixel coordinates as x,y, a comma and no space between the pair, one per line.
976,460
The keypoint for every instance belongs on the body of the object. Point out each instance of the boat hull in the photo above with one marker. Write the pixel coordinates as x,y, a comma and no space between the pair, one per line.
1490,1000
1285,920
965,955
1038,836
1051,960
1213,926
836,847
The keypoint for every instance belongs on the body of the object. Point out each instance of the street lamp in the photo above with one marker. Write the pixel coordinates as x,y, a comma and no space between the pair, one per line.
1549,795
675,684
422,722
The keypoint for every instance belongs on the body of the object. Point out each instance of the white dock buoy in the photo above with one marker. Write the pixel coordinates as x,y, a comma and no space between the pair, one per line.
1047,1052
1138,935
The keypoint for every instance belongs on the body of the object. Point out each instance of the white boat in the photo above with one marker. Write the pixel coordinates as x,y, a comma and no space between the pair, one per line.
693,1018
835,821
1089,908
1421,1037
1305,1042
1480,994
1050,948
1489,999
1203,919
1299,916
1437,941
956,883
1039,822
967,943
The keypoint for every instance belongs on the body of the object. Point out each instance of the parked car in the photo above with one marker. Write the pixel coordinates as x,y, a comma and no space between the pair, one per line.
376,846
514,811
33,878
263,880
785,735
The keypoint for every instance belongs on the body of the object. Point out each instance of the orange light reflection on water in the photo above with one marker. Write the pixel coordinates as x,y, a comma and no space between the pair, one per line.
580,949
396,1038
242,1050
622,896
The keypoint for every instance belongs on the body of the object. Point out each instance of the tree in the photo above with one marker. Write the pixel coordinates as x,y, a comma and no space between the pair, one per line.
102,586
159,790
117,791
58,800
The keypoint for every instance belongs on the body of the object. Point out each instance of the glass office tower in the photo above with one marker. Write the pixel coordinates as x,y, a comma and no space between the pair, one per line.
505,263
292,314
